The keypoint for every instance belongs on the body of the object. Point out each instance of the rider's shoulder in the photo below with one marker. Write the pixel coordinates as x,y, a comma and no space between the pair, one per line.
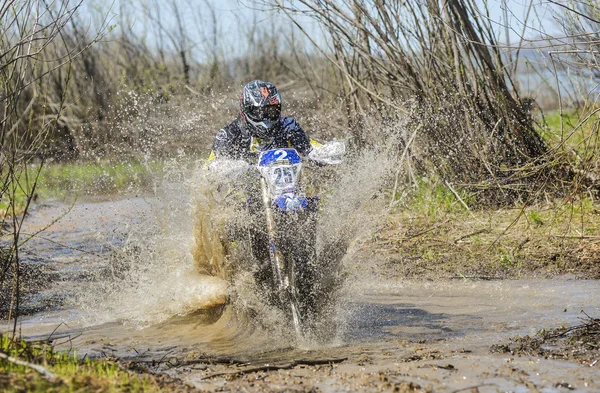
233,129
288,122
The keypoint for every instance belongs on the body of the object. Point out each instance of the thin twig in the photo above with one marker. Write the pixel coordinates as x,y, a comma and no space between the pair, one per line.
410,141
458,196
484,230
54,221
273,367
472,388
51,377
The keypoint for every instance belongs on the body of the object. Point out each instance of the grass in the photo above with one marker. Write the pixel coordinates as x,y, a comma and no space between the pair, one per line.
543,240
578,138
73,374
535,218
433,199
73,179
551,127
90,178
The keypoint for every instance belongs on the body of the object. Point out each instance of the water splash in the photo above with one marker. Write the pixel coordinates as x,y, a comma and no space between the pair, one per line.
154,274
178,257
353,204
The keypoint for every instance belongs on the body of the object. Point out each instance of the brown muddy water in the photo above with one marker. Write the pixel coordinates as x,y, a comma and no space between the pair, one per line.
125,285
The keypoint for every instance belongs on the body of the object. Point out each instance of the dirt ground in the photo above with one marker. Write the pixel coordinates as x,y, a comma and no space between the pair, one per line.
467,246
401,366
542,242
441,249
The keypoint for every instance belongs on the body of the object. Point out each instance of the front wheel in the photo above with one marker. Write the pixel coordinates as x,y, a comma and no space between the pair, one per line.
295,306
297,245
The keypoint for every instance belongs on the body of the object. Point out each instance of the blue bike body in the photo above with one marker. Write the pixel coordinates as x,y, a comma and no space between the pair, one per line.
281,170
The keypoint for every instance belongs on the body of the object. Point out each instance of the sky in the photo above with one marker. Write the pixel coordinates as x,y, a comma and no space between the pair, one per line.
236,18
527,18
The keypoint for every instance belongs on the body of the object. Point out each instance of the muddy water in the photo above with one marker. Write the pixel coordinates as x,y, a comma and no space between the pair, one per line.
390,330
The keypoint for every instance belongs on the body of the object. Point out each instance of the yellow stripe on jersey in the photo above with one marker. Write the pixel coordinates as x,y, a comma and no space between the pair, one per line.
254,144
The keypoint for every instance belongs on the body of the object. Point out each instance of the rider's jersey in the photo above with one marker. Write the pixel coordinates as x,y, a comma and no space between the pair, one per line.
235,141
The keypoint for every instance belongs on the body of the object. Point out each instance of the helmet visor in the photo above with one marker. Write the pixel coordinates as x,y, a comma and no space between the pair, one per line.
269,112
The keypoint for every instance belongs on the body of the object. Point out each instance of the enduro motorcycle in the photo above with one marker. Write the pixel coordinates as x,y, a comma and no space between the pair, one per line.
290,223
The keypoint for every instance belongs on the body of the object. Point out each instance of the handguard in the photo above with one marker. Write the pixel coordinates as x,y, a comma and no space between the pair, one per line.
228,168
331,153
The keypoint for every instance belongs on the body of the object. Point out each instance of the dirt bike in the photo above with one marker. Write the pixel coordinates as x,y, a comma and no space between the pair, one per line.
290,236
281,225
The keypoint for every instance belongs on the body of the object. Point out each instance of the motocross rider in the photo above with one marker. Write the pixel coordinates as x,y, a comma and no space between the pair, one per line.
260,126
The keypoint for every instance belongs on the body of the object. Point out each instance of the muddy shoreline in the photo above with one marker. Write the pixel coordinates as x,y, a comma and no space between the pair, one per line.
416,336
427,306
398,367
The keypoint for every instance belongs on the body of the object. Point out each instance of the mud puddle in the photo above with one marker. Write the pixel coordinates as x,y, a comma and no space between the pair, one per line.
391,334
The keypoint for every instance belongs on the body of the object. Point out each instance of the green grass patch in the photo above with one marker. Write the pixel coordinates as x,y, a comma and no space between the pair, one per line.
432,199
18,188
578,134
87,178
507,259
535,218
74,179
552,128
72,373
543,240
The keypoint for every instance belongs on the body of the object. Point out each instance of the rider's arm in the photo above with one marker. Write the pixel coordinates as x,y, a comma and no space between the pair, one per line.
222,144
297,137
229,142
217,149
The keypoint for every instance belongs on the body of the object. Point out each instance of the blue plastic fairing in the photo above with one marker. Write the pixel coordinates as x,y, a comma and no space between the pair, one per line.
289,203
289,156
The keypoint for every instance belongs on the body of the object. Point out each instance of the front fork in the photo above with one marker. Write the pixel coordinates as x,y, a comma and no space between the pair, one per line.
282,280
274,254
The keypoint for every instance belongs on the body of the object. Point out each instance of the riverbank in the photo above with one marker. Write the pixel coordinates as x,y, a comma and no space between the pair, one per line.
37,367
423,313
544,241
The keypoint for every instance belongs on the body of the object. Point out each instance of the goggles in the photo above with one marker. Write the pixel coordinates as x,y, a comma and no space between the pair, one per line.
269,112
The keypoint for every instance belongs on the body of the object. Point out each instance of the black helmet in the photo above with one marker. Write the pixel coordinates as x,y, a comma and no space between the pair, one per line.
260,108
